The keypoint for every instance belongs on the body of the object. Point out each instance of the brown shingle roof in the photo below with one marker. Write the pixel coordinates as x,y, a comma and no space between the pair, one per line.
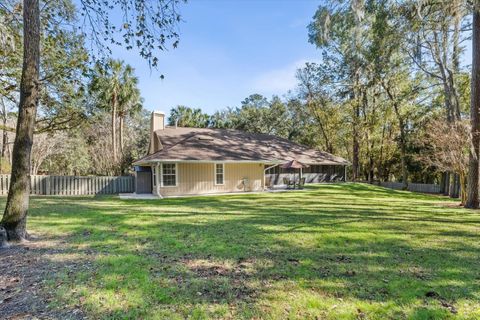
198,144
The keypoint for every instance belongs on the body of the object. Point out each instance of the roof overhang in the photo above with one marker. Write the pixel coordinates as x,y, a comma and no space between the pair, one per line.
150,162
264,161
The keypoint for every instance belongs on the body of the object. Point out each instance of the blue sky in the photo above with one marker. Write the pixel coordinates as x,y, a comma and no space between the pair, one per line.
229,50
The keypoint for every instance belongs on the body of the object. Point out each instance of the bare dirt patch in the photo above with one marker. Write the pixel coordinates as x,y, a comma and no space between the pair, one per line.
237,274
449,204
25,270
208,269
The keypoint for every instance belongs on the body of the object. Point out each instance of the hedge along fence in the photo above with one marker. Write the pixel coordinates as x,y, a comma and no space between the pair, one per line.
73,185
415,187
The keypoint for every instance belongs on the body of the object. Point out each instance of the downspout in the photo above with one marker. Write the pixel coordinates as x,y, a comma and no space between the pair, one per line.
264,172
158,180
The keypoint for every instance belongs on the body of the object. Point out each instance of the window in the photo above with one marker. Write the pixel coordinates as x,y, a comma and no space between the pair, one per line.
169,175
154,176
219,173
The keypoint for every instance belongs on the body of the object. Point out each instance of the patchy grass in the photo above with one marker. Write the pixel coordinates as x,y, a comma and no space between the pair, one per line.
344,251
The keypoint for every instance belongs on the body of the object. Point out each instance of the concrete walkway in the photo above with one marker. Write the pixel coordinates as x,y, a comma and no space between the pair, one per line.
141,196
146,196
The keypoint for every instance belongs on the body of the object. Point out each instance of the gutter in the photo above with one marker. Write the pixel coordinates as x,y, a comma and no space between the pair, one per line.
153,161
274,162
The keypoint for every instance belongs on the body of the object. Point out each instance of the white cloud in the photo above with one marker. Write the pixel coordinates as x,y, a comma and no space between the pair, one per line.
281,80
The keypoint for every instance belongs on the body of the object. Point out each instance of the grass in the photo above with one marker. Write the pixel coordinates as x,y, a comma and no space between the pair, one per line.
341,251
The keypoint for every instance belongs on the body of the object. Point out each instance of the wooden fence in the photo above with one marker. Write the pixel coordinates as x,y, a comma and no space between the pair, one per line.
73,185
415,187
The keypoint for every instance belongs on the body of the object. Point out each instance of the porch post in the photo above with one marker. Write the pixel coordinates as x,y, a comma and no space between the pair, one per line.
264,187
157,177
153,179
345,173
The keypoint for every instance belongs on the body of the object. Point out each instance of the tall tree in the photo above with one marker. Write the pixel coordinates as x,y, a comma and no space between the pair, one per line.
147,27
472,183
188,117
436,33
106,86
15,217
312,90
114,87
390,71
256,114
130,102
338,29
5,115
445,145
62,70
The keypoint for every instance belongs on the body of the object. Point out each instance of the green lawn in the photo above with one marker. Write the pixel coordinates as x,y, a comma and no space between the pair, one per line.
344,251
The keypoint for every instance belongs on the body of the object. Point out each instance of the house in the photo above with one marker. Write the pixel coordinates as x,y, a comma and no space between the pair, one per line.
187,161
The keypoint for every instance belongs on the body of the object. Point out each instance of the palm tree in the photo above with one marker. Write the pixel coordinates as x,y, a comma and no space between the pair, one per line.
115,87
188,117
130,102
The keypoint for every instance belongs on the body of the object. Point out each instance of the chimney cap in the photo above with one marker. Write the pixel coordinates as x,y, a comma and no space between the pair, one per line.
158,112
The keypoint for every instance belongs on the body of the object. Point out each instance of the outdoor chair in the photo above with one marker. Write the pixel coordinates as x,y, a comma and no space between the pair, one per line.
301,183
289,183
246,184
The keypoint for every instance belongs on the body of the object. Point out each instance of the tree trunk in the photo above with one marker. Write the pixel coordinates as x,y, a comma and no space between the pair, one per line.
403,136
4,136
463,189
446,190
120,131
403,153
312,106
451,189
472,182
4,143
356,146
442,182
371,171
380,161
455,186
15,216
114,128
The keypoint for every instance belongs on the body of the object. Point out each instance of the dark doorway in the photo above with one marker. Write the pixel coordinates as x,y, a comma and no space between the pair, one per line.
144,180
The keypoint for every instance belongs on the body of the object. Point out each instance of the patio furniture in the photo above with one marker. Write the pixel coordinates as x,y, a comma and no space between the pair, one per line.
246,184
294,164
301,183
289,183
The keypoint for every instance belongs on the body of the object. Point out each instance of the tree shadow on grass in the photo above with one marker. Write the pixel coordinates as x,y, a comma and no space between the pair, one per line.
213,263
176,255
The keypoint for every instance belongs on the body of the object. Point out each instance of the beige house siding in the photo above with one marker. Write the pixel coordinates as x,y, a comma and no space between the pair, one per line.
199,178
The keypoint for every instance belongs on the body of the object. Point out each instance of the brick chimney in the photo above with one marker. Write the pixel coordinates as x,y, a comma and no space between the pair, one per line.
157,122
